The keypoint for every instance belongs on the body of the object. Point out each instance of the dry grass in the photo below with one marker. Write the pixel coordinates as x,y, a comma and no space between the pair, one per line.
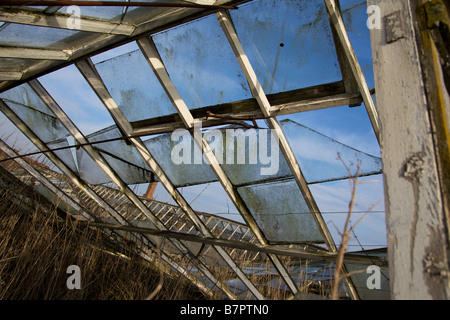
37,246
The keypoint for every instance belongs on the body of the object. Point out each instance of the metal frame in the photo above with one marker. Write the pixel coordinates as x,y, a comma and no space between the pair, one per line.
149,50
107,169
258,93
87,69
84,187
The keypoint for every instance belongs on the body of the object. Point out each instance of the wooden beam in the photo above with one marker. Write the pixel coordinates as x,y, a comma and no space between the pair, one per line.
34,53
63,21
347,76
290,102
10,75
416,229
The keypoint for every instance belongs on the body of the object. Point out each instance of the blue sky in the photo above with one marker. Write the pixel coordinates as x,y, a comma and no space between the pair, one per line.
283,60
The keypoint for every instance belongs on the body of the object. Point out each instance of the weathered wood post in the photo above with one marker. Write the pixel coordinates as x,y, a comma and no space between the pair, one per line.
414,115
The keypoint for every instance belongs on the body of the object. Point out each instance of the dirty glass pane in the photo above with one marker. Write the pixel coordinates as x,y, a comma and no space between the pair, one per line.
289,43
354,13
317,154
33,36
134,87
102,12
65,154
180,159
31,109
24,96
283,216
89,170
213,199
202,64
123,158
248,155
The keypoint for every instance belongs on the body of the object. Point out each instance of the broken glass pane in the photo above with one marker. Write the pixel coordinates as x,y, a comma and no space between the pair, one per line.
318,155
283,216
289,43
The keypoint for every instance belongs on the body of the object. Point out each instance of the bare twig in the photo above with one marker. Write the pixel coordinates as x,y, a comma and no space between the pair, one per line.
346,234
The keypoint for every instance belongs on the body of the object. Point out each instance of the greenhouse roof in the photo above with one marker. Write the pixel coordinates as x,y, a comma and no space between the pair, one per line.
255,99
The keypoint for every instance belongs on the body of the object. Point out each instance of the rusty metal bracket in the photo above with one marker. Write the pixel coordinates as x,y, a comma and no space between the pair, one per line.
395,29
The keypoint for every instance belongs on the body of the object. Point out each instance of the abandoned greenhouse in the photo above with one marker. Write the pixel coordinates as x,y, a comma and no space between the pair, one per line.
241,150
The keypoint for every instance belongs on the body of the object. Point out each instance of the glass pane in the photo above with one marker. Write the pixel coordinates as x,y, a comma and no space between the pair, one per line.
249,155
289,43
202,64
89,170
354,13
34,36
102,12
190,172
283,216
246,156
136,90
200,198
333,199
318,154
65,154
24,96
27,105
123,158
